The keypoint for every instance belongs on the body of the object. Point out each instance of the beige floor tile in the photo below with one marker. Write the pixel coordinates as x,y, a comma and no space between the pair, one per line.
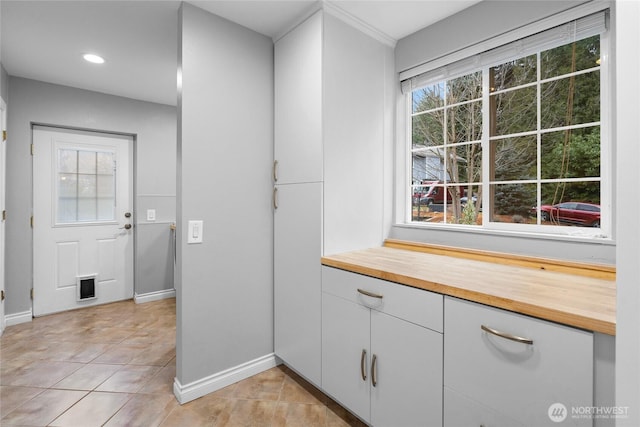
43,408
337,416
11,367
120,354
297,390
109,335
162,382
263,386
31,349
254,413
129,379
152,334
94,409
88,377
40,373
125,353
144,411
11,397
300,415
200,412
155,355
82,352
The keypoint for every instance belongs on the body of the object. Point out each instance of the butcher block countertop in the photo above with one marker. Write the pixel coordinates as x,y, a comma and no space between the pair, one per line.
574,294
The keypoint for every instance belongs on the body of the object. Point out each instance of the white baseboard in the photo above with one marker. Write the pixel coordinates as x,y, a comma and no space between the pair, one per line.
188,392
154,296
17,318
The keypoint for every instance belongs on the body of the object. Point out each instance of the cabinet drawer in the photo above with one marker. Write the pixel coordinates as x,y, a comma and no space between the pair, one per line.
460,411
411,304
519,380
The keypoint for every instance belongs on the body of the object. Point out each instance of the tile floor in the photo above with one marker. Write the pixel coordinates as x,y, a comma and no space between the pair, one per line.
113,365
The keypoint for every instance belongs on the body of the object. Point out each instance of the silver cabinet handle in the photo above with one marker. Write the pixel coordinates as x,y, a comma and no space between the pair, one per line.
275,171
374,380
363,369
275,197
506,335
369,294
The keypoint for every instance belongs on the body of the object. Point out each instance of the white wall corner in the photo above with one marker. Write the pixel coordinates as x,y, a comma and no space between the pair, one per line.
154,296
17,318
357,23
188,392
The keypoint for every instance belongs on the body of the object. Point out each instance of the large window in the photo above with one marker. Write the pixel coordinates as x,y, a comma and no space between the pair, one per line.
517,142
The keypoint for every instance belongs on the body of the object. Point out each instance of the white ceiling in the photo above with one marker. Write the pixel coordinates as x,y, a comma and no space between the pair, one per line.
44,40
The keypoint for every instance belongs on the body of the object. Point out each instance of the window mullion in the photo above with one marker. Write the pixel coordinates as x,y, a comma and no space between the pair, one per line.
487,166
538,138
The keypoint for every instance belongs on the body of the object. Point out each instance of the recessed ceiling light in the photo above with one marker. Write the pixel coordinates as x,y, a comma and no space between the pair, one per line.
93,58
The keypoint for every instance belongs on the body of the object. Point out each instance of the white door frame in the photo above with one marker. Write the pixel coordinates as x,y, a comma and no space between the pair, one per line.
133,168
3,181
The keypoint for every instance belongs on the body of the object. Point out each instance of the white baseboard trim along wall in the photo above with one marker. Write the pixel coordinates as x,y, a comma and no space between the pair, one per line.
188,392
154,296
17,318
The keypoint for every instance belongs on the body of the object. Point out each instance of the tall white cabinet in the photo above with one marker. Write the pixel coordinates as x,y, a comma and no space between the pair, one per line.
330,110
297,197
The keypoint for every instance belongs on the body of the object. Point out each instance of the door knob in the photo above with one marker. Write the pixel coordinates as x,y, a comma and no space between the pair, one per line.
126,227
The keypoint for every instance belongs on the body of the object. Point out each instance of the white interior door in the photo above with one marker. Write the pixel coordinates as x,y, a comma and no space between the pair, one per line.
3,174
82,226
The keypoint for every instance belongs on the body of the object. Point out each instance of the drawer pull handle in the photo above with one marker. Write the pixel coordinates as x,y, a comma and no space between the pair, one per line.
369,294
363,369
374,380
506,335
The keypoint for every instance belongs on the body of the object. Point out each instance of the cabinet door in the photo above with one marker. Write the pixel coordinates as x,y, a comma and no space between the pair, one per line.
298,103
345,368
520,380
297,277
460,411
408,372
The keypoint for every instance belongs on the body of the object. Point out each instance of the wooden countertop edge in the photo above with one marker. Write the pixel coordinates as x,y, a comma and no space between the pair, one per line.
571,319
599,271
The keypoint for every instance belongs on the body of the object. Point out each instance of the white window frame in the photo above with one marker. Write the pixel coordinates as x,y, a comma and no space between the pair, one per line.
404,154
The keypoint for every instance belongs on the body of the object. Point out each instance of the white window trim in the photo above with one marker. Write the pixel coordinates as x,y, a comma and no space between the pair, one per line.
605,234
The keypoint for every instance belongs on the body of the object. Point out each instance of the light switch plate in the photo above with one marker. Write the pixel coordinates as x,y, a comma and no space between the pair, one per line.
151,214
195,232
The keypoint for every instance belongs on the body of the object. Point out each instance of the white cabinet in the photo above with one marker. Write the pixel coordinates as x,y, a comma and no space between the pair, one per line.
298,103
461,411
346,353
298,198
297,225
382,352
328,168
488,362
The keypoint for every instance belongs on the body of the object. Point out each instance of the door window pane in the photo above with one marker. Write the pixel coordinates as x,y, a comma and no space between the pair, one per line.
86,186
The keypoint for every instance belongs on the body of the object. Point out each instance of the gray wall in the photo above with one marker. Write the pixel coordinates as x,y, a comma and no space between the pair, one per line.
155,128
458,32
4,84
224,286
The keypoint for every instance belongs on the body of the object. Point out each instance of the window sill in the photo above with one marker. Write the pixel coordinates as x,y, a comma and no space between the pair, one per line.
465,229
